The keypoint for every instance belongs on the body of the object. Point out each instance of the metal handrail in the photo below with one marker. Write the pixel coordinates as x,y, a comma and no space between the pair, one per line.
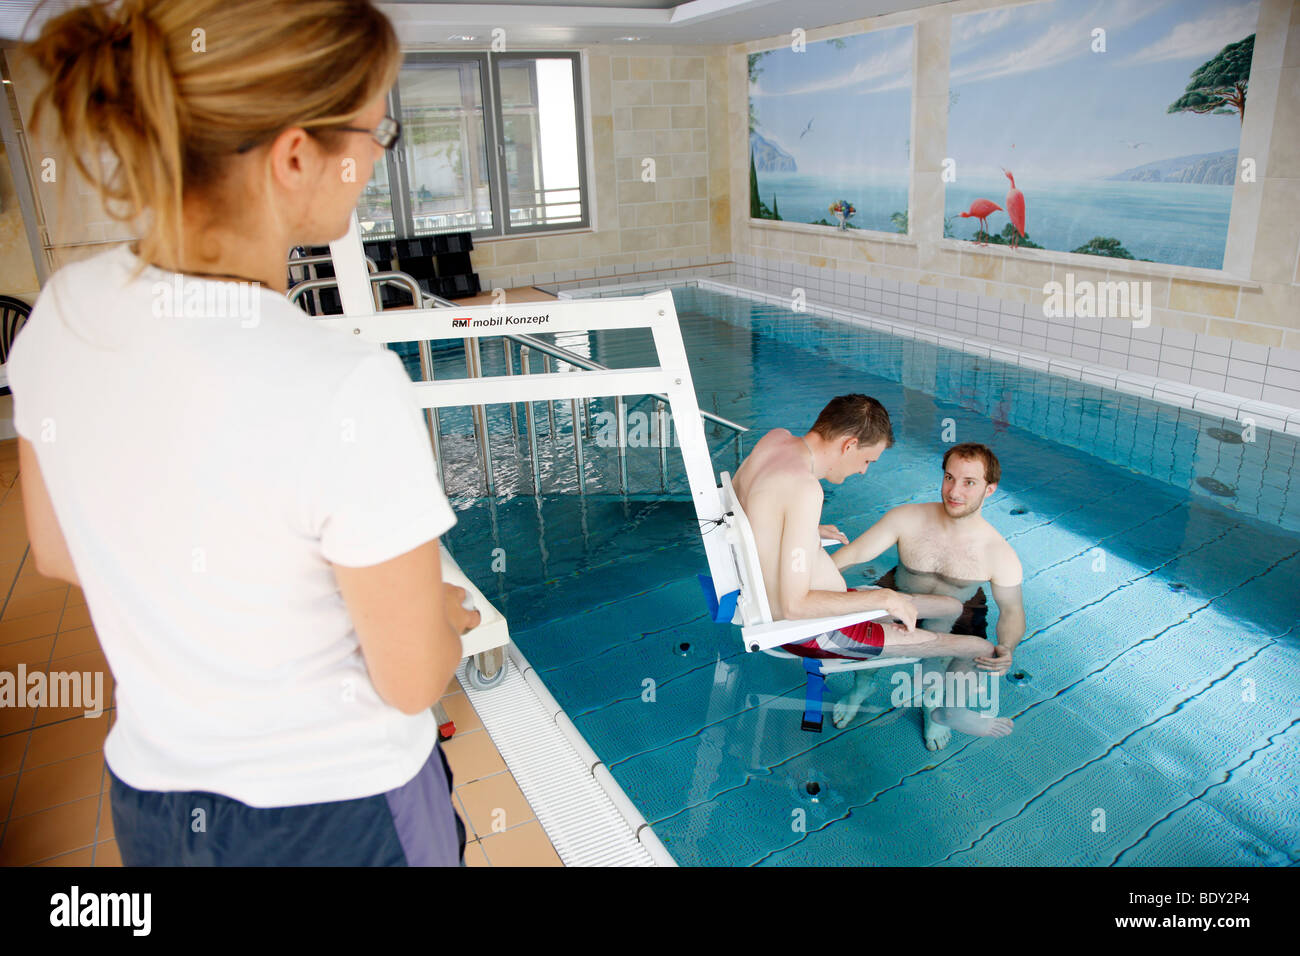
573,358
474,369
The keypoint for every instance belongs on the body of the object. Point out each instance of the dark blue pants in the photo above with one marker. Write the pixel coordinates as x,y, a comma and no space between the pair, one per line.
415,824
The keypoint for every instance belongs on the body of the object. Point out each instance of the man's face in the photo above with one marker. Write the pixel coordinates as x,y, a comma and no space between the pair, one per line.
964,487
855,458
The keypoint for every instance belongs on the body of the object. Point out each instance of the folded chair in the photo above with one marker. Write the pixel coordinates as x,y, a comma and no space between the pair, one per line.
748,607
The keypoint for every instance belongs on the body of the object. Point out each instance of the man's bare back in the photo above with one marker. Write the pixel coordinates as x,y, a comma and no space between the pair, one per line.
773,482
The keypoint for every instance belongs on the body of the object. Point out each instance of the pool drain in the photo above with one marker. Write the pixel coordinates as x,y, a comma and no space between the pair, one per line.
1018,677
813,789
683,649
1216,487
1224,435
1177,586
1020,511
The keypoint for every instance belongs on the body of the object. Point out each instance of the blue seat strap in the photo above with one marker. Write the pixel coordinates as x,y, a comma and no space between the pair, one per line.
814,690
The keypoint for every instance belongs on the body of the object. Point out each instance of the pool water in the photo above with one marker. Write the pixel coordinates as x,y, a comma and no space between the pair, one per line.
1156,718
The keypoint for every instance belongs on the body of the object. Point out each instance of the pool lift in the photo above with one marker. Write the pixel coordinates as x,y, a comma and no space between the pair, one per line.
734,587
741,599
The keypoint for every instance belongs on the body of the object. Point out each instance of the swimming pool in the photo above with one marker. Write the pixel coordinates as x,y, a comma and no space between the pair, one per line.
1156,724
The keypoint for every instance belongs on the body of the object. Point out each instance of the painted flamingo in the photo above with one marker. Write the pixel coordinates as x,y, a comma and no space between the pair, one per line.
1016,210
981,209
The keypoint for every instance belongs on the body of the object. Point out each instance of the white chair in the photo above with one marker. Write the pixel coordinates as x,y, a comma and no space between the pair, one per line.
748,607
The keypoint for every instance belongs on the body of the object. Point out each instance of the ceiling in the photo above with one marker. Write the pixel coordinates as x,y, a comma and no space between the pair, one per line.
432,23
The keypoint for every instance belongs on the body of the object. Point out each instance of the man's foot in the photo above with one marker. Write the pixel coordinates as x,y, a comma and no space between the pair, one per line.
959,718
937,735
845,709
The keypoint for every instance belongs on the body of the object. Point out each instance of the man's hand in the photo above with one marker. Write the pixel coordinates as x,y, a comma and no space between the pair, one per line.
830,531
998,663
902,607
460,619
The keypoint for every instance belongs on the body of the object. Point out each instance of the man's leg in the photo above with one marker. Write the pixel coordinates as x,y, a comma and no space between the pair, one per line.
935,611
958,716
899,642
939,721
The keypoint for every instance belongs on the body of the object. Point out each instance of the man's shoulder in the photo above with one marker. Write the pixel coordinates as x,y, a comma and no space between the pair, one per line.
912,516
1004,561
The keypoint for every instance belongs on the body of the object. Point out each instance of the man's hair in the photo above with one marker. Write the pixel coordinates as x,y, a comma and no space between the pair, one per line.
972,451
855,416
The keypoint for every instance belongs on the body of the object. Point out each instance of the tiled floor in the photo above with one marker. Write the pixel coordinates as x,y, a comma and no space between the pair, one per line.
54,805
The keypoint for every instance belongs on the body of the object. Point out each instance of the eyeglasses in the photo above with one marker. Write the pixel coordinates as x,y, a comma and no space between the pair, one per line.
385,134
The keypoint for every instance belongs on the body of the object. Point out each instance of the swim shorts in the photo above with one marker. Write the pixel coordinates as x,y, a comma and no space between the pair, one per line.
859,641
974,617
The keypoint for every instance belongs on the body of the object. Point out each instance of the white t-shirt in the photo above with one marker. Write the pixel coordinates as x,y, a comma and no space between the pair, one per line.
204,468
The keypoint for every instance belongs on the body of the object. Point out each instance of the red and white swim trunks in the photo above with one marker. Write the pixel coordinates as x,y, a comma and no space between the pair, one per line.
856,642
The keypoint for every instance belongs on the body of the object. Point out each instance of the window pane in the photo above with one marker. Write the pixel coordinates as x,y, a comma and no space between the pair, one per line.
541,141
446,149
375,207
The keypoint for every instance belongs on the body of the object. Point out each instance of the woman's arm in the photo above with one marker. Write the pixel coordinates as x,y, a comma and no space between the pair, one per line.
49,549
409,623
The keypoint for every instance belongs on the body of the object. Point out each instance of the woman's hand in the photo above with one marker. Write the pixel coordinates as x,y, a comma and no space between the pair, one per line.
460,619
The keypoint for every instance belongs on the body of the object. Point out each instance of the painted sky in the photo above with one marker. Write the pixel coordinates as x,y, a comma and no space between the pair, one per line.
857,97
1030,93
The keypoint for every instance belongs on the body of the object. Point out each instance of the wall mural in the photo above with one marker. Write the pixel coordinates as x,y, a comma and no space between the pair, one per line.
829,126
1108,127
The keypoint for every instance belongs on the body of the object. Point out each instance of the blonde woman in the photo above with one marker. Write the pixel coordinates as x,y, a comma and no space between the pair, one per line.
248,501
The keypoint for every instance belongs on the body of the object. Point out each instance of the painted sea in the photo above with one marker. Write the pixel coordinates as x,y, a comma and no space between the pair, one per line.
1178,223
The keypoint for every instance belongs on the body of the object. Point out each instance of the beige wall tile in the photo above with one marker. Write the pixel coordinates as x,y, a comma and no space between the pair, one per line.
1275,304
689,117
632,93
651,117
512,252
669,93
654,213
978,266
1202,297
647,68
687,68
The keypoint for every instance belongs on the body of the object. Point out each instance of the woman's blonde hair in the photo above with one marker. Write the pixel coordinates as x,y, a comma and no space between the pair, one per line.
172,89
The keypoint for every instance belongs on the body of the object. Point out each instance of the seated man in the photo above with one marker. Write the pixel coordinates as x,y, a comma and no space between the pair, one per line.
947,547
779,487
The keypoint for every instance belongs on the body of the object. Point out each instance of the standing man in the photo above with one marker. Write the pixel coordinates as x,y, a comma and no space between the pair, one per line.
948,548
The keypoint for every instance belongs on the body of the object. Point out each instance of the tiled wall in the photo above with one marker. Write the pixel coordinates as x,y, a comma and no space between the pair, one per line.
1244,369
662,104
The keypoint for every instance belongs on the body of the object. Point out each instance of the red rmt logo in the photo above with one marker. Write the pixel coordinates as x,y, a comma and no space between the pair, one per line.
460,323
